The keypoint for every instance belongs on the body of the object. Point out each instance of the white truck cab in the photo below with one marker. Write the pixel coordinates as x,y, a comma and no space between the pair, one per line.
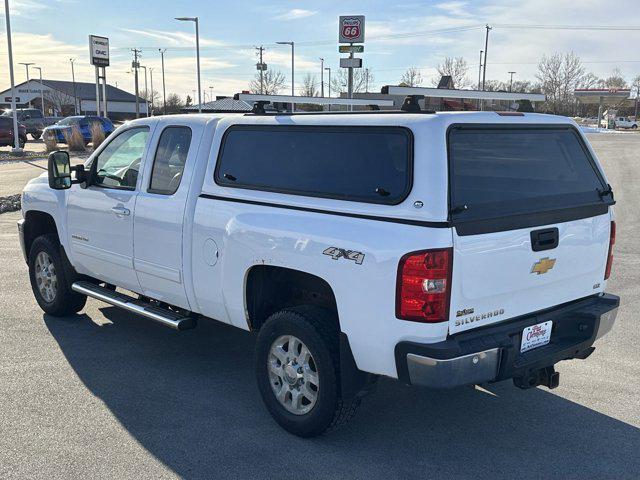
440,249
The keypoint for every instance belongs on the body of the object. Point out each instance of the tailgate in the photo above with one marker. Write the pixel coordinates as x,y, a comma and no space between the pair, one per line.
532,222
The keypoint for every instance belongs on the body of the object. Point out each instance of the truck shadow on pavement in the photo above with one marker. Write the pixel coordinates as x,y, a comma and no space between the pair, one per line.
191,400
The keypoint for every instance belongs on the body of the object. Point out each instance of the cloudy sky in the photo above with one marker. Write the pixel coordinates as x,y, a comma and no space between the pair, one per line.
399,35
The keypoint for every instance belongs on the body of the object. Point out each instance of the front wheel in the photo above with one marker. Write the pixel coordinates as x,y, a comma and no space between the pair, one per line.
297,369
48,280
22,141
36,135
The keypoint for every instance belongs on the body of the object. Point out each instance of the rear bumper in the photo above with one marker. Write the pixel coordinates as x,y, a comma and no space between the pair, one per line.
493,353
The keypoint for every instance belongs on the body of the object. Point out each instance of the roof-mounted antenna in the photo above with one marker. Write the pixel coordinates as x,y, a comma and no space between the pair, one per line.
258,107
411,105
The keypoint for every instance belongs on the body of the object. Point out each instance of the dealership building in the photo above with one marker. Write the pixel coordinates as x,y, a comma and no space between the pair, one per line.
60,97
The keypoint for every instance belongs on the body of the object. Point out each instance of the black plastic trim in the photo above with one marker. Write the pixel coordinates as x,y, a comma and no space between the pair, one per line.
526,220
403,221
575,326
220,180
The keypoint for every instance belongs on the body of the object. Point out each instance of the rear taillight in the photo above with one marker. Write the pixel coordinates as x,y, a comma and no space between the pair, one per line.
424,286
612,242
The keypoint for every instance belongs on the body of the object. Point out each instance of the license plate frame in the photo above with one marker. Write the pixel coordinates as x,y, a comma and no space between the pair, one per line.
536,336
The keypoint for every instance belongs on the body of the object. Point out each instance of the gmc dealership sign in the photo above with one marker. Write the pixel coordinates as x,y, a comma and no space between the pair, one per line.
99,51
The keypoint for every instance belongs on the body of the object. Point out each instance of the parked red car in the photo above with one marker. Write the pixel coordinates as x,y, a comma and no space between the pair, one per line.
6,132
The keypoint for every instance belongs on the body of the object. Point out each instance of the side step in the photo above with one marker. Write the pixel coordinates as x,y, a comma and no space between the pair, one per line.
158,314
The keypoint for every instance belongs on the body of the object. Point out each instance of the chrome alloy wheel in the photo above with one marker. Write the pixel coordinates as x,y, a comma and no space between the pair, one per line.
46,278
293,374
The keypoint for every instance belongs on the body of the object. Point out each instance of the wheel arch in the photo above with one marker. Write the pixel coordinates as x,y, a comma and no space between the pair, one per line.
271,288
38,223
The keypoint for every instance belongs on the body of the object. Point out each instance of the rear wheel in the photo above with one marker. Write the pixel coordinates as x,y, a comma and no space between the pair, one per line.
297,369
22,141
49,281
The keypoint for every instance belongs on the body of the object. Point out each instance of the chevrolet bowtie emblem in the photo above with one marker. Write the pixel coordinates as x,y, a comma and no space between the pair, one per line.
543,265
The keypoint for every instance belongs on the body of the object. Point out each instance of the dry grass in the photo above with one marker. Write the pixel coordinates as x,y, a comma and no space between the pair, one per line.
97,134
50,144
75,141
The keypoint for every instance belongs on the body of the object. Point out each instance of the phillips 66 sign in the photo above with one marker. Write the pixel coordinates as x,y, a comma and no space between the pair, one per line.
351,29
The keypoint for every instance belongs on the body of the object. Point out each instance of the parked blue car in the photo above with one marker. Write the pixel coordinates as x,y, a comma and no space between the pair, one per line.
82,122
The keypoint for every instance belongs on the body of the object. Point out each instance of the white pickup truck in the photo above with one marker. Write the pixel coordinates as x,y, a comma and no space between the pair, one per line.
440,249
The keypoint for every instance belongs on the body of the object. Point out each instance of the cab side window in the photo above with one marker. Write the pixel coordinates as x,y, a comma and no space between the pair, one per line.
118,164
169,160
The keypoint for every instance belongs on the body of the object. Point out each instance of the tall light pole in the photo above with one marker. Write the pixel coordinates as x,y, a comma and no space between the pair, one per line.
195,20
16,140
146,90
152,94
27,67
75,95
41,90
293,82
322,77
164,90
329,69
480,70
211,93
511,81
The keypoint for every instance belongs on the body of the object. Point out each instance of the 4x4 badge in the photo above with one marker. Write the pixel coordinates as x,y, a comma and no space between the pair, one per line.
336,253
543,265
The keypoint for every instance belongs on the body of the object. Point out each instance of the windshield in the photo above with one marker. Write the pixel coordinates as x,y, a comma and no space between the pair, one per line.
68,121
6,113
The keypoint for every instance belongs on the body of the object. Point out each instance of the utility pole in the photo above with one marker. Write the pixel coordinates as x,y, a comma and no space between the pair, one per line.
366,79
261,68
322,77
511,81
75,95
293,82
16,140
135,66
164,91
486,47
41,91
480,70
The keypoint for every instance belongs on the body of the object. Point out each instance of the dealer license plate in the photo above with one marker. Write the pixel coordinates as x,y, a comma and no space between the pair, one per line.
536,336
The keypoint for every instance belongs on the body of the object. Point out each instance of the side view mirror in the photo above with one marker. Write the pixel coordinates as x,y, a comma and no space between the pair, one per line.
59,169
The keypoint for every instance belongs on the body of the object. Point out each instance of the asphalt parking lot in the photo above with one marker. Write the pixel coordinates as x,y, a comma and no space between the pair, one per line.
108,395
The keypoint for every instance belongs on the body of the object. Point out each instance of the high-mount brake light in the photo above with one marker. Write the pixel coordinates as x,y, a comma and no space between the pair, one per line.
612,242
423,286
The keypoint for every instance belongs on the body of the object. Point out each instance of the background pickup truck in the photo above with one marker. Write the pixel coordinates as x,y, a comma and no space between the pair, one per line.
438,249
33,120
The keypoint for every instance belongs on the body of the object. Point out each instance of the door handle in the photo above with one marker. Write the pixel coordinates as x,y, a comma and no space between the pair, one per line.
546,239
121,211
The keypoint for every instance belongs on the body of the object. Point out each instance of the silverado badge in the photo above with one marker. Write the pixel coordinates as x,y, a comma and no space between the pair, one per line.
543,265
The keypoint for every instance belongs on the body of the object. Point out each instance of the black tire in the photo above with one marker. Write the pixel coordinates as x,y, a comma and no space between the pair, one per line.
65,301
36,135
316,328
22,141
634,127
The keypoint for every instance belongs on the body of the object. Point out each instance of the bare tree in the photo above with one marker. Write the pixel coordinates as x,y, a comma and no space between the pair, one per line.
411,78
362,79
457,69
559,76
272,82
174,103
615,80
62,102
309,86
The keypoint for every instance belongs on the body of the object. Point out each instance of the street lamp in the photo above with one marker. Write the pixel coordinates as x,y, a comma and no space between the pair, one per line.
75,96
41,90
27,67
195,20
322,77
164,90
16,140
329,69
146,90
152,94
293,88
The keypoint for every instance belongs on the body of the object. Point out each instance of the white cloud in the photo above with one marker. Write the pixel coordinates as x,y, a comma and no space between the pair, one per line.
296,14
174,38
460,9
